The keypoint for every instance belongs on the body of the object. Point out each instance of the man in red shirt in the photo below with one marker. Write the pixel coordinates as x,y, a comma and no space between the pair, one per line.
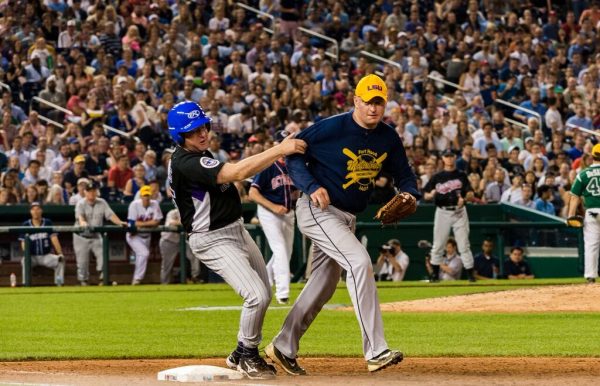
119,174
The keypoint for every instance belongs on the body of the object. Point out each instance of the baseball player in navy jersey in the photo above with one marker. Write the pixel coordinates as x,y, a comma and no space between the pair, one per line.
211,213
273,191
169,248
450,189
345,153
142,213
41,245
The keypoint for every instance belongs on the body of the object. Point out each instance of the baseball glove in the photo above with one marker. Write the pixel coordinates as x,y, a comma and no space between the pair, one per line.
402,205
575,221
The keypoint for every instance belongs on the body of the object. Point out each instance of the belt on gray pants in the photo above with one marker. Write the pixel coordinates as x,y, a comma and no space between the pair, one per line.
448,207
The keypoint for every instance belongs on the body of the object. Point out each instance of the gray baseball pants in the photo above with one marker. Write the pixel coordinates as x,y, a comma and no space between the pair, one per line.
168,252
457,221
50,261
335,247
232,253
82,247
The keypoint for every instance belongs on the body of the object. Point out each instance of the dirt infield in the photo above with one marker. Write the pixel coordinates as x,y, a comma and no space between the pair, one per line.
322,371
565,298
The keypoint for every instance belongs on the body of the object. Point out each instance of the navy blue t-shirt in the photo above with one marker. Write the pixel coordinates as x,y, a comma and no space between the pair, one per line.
345,159
39,242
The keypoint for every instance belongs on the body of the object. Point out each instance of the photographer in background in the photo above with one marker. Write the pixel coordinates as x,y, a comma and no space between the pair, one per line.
392,262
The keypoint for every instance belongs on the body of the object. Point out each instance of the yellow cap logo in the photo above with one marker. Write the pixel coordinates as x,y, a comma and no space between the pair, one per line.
596,150
371,86
145,191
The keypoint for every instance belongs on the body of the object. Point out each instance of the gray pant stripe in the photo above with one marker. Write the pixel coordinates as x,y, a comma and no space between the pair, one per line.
351,272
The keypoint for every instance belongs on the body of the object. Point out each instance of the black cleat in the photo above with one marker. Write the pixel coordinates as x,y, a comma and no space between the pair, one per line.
233,360
289,365
385,359
591,280
255,367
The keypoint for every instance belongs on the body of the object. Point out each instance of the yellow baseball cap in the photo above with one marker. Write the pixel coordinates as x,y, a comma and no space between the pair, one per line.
596,150
371,86
79,158
145,190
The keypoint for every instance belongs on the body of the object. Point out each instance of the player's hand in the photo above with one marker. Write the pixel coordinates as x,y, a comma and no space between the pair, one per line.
320,198
292,146
461,202
279,209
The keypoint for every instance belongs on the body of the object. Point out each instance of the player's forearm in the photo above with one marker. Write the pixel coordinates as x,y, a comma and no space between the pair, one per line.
254,195
147,224
116,220
248,167
56,244
573,205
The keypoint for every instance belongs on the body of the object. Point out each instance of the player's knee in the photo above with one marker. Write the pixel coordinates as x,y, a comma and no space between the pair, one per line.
260,298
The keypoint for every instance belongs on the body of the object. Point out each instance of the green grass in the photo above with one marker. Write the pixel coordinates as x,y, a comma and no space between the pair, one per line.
145,322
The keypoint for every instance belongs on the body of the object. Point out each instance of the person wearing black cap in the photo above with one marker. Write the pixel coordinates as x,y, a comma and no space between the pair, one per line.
91,211
275,193
450,189
41,245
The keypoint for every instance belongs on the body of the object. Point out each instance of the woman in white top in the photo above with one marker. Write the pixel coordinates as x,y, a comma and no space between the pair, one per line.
469,81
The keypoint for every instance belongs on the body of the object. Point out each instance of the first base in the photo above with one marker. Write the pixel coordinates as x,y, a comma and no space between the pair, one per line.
199,373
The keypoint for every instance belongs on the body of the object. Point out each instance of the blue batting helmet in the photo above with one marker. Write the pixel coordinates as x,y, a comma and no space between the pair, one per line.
185,117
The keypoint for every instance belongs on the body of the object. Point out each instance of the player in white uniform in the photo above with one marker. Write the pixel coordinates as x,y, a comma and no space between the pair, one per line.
39,247
169,248
273,190
587,185
142,213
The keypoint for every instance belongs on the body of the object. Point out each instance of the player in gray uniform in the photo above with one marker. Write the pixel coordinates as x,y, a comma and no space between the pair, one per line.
91,211
169,248
211,213
337,174
450,189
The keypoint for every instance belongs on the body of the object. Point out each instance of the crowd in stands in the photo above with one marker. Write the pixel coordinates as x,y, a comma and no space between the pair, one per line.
124,64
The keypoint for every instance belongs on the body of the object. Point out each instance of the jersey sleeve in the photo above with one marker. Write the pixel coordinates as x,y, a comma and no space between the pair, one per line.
297,163
159,213
200,169
398,167
430,184
578,185
260,180
22,235
132,212
466,185
108,212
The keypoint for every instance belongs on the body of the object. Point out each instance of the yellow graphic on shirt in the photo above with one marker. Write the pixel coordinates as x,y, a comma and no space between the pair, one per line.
363,168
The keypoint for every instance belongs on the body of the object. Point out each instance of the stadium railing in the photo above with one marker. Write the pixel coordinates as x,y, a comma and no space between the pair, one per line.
70,113
103,230
380,59
335,55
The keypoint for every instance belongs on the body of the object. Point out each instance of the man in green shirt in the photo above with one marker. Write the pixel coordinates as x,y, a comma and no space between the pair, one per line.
587,185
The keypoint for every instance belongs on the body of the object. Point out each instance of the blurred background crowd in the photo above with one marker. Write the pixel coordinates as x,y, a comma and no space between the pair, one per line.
124,64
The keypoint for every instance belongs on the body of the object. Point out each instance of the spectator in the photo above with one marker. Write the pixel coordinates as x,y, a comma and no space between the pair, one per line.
73,175
82,183
516,267
392,262
451,267
136,181
542,203
514,194
486,264
495,190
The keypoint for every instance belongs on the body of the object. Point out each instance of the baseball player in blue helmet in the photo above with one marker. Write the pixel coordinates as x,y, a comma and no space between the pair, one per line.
211,213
